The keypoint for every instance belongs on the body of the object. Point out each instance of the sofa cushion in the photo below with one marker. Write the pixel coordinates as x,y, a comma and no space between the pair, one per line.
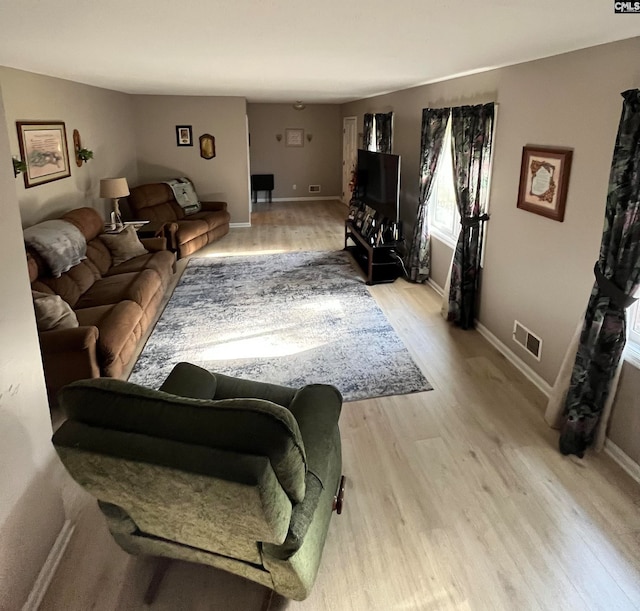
212,218
52,312
189,229
124,245
87,220
139,287
70,285
161,261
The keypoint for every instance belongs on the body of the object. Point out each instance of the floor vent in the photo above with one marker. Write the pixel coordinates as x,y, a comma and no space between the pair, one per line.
529,341
314,188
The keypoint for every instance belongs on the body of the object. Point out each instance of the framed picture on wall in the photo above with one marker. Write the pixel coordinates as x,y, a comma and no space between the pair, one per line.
184,135
544,179
294,137
43,148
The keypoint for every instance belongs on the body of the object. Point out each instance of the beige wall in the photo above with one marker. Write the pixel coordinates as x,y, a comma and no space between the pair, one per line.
318,162
105,121
537,271
31,508
223,178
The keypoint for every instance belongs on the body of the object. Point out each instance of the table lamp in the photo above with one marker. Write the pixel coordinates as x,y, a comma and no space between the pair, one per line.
114,189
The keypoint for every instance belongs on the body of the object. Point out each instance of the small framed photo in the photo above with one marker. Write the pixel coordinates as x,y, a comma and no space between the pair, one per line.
544,180
43,147
184,135
293,136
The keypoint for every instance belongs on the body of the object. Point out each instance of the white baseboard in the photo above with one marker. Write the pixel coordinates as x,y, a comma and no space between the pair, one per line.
49,567
232,225
622,459
436,287
625,461
543,386
312,198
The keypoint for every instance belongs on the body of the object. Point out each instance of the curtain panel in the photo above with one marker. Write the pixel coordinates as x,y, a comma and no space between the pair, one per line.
367,132
384,132
472,142
617,276
434,126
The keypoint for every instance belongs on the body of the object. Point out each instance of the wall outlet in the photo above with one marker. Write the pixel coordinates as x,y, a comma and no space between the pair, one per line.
295,187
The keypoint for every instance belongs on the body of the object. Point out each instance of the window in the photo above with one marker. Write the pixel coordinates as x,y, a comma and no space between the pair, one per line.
632,349
444,218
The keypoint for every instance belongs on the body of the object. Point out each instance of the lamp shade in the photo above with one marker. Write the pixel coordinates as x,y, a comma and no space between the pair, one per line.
114,188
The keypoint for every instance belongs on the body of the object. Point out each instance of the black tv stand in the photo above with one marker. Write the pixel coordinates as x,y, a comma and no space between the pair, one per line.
379,263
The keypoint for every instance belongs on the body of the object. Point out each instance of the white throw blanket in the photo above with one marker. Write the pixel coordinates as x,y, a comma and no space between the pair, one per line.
59,243
185,194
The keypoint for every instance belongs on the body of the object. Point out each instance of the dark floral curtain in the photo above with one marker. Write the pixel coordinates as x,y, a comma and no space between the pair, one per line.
384,135
434,126
472,141
367,133
617,274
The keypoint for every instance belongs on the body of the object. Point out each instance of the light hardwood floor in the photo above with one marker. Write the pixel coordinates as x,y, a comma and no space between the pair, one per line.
456,498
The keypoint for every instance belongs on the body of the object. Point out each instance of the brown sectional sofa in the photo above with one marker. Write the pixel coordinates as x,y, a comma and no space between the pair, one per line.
114,305
155,202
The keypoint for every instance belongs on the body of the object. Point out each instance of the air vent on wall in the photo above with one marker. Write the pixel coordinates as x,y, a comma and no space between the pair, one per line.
529,341
314,188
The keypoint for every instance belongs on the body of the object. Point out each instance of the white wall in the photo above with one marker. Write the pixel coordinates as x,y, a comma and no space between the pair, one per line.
318,162
223,178
31,509
105,121
537,271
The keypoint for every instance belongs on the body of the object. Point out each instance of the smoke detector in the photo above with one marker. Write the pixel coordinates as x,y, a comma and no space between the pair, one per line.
298,105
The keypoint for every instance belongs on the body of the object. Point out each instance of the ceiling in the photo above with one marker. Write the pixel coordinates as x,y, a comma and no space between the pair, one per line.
322,51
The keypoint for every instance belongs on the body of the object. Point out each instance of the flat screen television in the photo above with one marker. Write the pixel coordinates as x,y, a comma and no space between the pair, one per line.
378,182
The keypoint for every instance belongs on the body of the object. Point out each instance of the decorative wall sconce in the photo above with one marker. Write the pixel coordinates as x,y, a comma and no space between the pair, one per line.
278,137
309,137
19,166
82,155
207,146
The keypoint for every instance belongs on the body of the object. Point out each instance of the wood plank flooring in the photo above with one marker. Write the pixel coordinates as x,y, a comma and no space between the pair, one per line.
456,498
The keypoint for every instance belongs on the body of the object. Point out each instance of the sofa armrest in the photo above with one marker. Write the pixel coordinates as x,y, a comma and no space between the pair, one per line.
213,206
187,380
68,355
154,244
65,340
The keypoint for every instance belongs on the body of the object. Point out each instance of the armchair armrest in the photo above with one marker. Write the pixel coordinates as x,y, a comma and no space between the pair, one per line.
317,408
187,380
213,206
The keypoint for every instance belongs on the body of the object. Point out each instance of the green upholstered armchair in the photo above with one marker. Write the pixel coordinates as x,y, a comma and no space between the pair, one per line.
212,469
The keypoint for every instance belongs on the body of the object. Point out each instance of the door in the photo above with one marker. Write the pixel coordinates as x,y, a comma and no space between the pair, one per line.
349,154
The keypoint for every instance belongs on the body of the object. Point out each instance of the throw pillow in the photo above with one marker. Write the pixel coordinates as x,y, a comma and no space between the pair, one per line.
53,312
124,245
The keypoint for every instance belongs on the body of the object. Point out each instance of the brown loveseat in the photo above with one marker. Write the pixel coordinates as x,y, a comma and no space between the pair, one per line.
114,304
155,202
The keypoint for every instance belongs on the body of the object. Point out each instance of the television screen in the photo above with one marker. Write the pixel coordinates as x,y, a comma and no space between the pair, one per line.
378,182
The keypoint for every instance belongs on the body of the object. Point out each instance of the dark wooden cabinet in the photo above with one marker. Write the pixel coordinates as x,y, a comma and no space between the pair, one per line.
380,263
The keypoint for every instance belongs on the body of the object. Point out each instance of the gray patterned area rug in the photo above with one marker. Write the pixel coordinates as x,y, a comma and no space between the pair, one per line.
292,319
